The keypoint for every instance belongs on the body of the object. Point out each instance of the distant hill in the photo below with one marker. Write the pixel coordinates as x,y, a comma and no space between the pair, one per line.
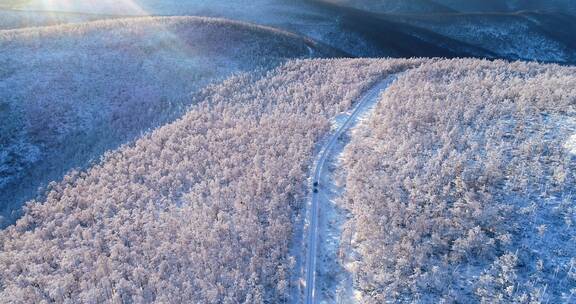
547,37
555,6
399,6
459,186
477,5
525,35
466,6
527,30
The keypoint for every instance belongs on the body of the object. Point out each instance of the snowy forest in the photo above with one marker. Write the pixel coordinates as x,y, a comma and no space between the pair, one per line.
461,186
197,211
279,152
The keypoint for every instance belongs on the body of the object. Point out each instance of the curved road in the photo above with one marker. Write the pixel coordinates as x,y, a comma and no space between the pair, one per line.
319,172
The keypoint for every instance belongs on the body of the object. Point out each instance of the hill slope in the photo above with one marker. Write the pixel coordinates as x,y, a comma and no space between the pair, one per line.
545,37
468,6
201,210
397,6
68,93
539,36
528,30
491,6
461,186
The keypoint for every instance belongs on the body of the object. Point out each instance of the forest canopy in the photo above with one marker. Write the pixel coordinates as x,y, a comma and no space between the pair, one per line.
461,186
199,210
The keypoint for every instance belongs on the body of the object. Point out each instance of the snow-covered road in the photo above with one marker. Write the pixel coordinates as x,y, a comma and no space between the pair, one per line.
320,172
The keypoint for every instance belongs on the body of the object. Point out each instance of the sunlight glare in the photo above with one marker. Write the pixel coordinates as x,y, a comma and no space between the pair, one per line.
115,7
121,8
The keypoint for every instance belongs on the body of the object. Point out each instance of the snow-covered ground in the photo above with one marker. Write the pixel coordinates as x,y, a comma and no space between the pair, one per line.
570,143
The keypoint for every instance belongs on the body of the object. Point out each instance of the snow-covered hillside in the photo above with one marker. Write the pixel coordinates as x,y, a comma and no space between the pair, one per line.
527,36
395,6
370,28
199,211
417,30
554,6
68,93
463,6
296,16
233,151
461,187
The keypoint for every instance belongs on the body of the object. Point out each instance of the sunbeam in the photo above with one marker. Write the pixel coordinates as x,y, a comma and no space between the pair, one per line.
119,7
114,7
